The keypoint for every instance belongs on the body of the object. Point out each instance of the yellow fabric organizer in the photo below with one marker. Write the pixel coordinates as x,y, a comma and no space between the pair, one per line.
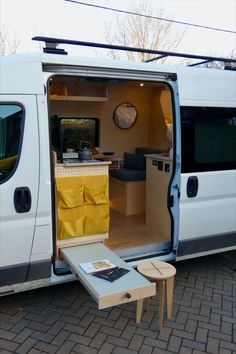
82,206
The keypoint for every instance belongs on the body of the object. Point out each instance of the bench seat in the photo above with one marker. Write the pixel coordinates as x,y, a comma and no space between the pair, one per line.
127,174
127,197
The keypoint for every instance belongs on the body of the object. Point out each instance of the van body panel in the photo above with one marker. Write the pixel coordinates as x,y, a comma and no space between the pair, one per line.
213,210
21,74
42,243
16,228
205,87
42,247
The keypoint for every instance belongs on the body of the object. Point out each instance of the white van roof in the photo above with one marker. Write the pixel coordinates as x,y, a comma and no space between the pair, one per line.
23,74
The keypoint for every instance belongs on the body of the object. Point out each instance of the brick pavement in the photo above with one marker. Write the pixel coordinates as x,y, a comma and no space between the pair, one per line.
64,319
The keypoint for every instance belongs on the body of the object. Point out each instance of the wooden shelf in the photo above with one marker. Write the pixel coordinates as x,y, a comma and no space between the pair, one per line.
82,91
79,98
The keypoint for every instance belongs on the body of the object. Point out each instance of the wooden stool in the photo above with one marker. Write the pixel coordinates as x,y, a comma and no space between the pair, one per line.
163,274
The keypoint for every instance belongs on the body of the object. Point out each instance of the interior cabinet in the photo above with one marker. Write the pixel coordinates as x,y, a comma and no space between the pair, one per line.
159,171
82,203
82,91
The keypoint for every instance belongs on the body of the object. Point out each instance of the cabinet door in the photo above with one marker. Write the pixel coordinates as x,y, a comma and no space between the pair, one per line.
157,213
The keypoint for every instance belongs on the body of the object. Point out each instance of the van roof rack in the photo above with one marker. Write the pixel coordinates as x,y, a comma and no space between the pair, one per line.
52,43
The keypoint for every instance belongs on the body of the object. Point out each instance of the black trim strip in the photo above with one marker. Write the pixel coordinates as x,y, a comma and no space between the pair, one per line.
25,272
204,244
13,274
39,270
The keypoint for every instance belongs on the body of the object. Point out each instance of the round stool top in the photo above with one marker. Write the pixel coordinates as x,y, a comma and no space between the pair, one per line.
157,270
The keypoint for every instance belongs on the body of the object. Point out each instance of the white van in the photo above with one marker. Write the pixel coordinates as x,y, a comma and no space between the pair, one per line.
106,159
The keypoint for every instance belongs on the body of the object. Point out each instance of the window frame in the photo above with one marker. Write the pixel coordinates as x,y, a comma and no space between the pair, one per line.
97,128
15,103
188,143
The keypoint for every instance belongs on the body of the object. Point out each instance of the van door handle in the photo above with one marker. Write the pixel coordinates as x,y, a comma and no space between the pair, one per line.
192,186
22,199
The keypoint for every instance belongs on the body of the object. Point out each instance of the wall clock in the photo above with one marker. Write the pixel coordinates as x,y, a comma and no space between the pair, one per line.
125,115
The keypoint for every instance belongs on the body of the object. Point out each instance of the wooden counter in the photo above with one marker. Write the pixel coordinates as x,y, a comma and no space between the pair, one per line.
159,171
82,168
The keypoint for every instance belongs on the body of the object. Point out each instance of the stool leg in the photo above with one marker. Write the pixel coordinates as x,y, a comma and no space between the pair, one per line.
147,304
161,303
139,309
169,296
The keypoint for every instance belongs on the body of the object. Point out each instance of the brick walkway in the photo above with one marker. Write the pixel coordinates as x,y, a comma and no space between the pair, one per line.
64,319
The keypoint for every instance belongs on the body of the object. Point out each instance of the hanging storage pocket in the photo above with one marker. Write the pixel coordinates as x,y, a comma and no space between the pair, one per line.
82,206
96,190
96,219
72,197
68,229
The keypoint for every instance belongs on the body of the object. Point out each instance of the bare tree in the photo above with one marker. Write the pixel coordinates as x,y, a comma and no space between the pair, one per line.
142,32
8,44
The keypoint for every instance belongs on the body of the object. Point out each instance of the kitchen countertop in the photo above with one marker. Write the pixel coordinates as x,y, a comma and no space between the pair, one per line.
77,163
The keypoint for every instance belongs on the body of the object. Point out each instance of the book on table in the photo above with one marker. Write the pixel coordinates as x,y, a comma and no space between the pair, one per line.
110,275
97,266
104,269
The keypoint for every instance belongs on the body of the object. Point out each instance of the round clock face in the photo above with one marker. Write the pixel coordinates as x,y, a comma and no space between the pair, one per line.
125,115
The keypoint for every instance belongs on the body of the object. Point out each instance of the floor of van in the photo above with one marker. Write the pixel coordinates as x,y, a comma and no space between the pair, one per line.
127,232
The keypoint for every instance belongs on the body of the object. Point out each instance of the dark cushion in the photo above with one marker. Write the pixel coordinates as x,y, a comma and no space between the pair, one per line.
142,150
125,174
135,162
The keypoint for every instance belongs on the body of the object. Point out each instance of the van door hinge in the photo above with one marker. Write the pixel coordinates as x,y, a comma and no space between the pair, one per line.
177,188
171,77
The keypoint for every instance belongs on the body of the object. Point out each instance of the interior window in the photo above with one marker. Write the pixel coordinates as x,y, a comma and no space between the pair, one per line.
11,130
208,138
74,133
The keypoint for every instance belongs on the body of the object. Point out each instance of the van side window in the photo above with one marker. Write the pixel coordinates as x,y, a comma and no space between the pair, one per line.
208,138
11,125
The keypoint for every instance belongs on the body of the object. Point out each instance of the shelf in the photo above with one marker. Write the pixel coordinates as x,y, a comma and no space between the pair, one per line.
79,98
82,91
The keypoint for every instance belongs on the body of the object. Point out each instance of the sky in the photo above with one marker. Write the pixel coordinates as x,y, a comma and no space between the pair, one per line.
24,19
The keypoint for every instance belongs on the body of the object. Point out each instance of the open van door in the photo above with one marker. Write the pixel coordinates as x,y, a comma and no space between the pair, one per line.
19,182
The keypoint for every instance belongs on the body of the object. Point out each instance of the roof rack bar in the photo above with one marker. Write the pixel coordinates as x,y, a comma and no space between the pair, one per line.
130,49
200,63
155,58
